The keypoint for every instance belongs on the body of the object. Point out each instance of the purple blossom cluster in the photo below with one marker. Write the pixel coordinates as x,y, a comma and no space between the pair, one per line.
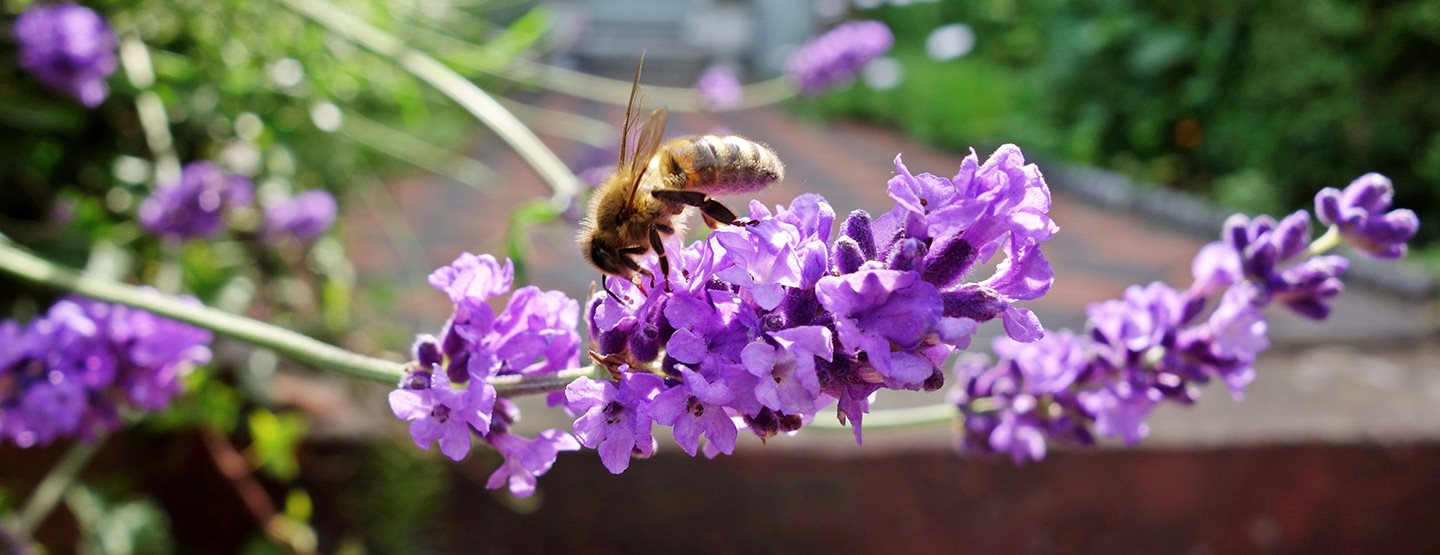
719,89
1158,344
195,205
69,48
305,216
763,326
447,397
836,56
70,371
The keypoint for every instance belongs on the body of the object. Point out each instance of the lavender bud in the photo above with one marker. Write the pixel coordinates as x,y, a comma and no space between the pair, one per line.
858,228
949,263
427,351
846,256
908,255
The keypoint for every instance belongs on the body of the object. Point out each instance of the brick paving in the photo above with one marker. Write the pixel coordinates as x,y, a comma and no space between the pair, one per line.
1366,375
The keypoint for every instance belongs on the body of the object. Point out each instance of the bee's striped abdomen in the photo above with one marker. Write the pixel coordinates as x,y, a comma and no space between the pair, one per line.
719,165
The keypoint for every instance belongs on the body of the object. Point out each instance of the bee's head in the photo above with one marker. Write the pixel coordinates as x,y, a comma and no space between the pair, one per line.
609,257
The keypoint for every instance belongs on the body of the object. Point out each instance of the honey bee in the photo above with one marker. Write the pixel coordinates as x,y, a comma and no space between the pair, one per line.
655,184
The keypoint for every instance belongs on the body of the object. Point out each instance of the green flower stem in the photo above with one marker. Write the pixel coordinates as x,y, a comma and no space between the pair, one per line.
22,264
1324,243
617,92
481,105
892,419
54,485
29,267
135,58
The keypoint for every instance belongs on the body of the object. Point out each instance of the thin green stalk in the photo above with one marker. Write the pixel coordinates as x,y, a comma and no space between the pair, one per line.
481,105
1324,243
617,92
53,486
20,263
891,419
135,58
29,267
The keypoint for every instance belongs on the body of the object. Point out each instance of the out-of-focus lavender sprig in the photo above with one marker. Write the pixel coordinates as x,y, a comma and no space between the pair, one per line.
69,372
719,89
1158,344
304,217
447,397
195,206
69,48
836,56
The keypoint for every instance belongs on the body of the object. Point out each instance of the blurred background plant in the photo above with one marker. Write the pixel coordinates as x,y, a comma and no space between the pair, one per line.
1250,104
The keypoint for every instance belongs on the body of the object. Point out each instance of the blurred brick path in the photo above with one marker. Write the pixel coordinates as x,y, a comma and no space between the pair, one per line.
1368,373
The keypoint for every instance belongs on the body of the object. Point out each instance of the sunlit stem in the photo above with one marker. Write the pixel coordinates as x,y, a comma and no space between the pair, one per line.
27,266
22,264
135,58
617,92
52,488
892,419
481,105
1324,243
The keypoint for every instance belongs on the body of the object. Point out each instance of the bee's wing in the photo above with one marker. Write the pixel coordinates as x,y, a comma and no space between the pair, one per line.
650,136
632,114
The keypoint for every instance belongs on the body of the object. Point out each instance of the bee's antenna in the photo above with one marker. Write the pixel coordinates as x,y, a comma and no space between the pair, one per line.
606,286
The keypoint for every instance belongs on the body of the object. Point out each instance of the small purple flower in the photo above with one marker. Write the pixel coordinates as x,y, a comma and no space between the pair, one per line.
837,56
719,89
695,407
194,207
305,216
877,309
1362,213
440,412
614,421
471,281
786,370
527,459
1120,411
69,48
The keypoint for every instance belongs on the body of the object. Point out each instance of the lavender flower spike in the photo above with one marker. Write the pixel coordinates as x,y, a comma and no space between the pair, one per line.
305,216
1362,213
194,207
69,48
836,56
719,89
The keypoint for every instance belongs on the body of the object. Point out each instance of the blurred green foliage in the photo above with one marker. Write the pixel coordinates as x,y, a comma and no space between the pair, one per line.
1257,104
270,95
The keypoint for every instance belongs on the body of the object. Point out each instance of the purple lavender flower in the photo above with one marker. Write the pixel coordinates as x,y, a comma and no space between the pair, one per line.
877,309
437,411
69,372
69,48
527,459
194,206
614,421
836,56
695,407
719,89
305,216
1362,213
786,370
449,398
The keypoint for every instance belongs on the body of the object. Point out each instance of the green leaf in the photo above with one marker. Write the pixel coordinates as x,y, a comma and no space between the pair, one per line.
276,438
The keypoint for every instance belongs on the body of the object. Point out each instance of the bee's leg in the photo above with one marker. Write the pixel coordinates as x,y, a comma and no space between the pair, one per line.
659,247
714,210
